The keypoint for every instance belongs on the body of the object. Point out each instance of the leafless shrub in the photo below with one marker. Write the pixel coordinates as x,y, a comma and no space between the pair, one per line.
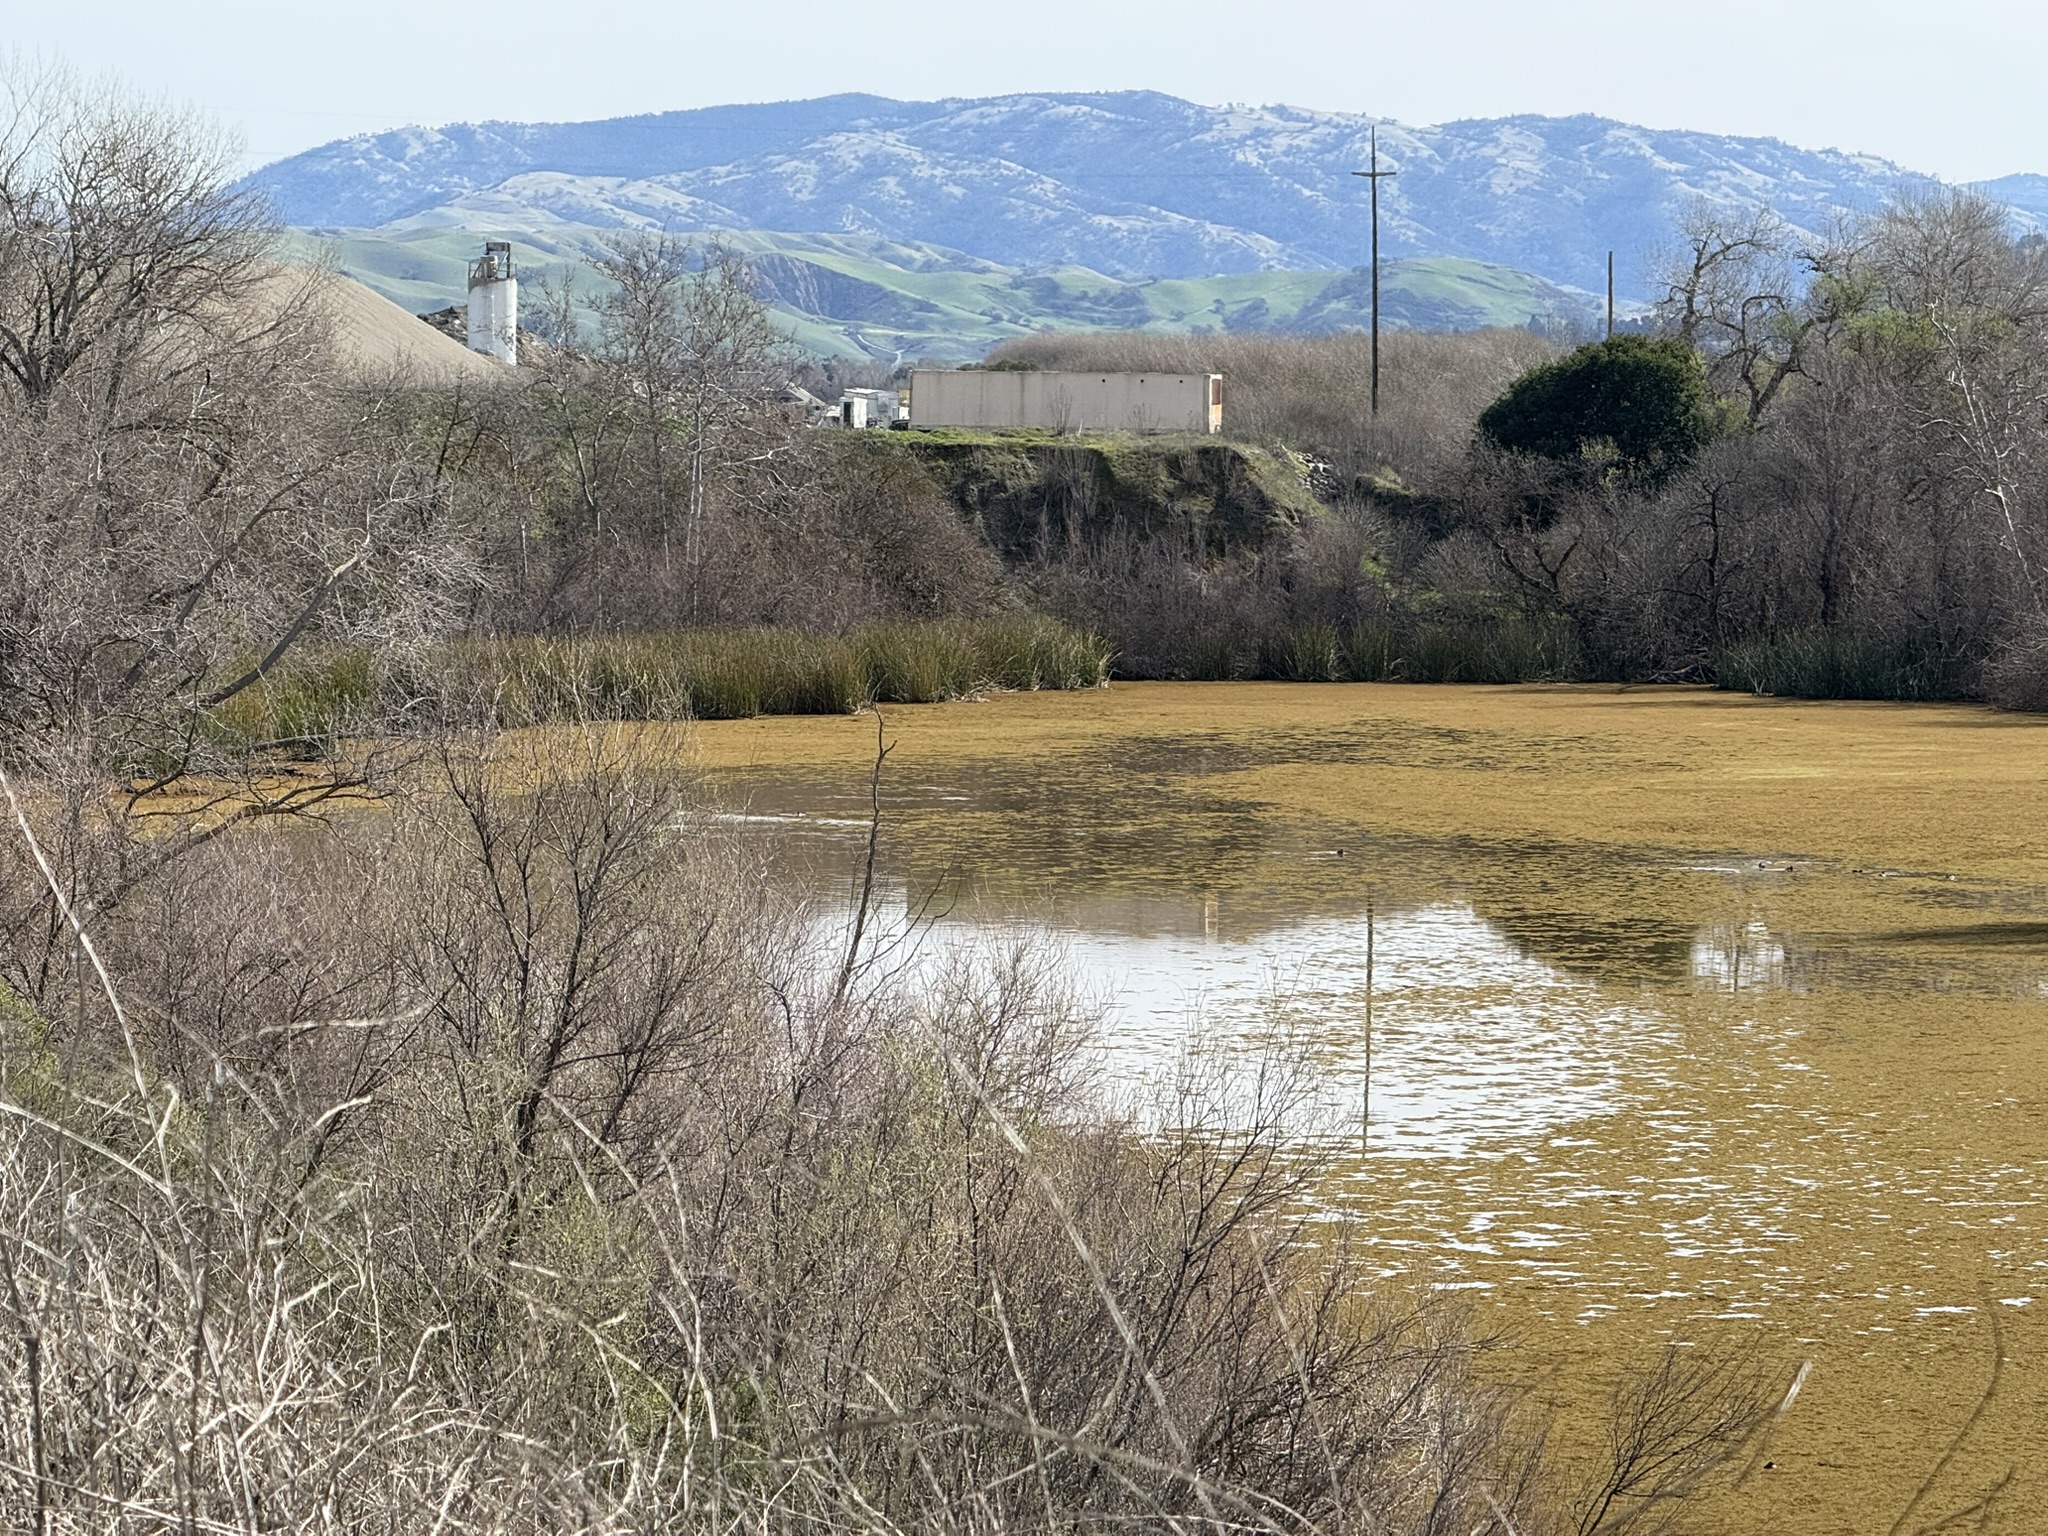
1672,1428
534,1168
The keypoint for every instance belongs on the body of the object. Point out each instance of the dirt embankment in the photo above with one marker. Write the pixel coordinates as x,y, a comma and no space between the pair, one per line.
1032,496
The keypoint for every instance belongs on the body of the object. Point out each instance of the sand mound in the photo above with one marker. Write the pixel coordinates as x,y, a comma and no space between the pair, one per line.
376,336
375,339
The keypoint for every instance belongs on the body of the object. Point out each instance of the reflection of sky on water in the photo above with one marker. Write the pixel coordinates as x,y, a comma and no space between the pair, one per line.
1475,1047
1580,1082
1629,923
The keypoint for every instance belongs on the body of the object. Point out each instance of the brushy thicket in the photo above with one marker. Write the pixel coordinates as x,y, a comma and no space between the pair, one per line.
1857,508
1310,391
509,1158
1369,589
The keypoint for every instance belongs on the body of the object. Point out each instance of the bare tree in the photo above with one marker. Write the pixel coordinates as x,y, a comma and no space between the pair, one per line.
701,352
119,228
1952,260
198,492
1735,293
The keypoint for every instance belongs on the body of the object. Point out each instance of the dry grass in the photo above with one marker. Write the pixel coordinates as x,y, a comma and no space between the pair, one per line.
1312,392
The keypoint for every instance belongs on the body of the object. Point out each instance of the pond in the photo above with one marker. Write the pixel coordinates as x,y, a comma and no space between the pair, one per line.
1641,1015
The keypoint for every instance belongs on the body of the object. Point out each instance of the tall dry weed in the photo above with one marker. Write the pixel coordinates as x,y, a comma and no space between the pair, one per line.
1313,392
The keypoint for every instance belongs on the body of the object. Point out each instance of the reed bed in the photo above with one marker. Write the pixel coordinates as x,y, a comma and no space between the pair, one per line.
738,674
697,674
1511,649
1822,663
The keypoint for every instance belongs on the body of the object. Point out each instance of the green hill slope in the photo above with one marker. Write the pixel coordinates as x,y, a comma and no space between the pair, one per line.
848,296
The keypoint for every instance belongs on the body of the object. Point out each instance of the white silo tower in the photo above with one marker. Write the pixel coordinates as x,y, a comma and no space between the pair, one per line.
494,304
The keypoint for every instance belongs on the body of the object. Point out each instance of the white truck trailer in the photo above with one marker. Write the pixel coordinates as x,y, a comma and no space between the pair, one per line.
1066,402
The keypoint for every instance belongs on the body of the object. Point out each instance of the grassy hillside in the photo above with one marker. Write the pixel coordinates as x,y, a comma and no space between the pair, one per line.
849,296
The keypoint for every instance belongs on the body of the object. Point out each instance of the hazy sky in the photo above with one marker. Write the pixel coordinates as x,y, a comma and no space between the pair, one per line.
1953,88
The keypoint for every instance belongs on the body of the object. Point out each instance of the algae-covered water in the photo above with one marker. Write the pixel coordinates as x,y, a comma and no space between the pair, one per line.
1693,1016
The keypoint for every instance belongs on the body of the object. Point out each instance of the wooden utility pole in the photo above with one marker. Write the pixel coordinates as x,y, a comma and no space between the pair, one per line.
1610,295
1372,178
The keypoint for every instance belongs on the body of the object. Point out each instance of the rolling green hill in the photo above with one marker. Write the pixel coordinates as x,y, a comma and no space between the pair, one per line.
850,296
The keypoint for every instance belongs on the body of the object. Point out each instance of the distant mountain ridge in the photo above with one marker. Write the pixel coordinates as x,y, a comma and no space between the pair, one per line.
1133,185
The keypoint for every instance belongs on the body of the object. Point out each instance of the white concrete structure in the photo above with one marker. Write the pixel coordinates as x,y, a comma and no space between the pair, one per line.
1067,402
494,304
864,408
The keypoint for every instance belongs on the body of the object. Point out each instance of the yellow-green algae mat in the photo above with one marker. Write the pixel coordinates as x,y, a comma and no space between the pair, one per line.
1838,912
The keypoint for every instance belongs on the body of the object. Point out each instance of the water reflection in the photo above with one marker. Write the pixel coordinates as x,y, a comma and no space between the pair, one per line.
1731,958
1589,1067
1475,1047
1009,852
1621,1092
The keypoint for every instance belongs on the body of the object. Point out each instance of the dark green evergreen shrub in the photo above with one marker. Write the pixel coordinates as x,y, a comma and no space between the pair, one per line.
1638,402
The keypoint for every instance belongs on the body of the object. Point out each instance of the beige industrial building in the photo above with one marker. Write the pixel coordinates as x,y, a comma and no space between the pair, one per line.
1067,402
